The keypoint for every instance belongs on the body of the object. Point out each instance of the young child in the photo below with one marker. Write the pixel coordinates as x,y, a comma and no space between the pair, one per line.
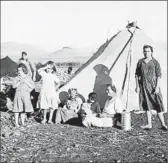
22,101
71,108
48,99
111,111
91,108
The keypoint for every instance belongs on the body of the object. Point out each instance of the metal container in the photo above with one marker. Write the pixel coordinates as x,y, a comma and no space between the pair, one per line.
126,121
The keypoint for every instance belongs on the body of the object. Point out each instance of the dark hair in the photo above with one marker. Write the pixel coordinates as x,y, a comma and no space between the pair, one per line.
113,88
24,68
148,46
91,94
51,63
24,53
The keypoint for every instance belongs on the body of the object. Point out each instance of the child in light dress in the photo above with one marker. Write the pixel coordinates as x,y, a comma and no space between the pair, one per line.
22,101
48,98
91,108
111,113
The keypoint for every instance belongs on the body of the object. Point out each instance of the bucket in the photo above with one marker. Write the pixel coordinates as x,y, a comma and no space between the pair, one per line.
126,121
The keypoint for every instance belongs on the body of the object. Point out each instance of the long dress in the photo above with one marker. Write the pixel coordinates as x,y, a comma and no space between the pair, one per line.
48,97
22,100
147,74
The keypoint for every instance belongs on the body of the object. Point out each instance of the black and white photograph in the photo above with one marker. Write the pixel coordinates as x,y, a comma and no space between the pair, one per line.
83,82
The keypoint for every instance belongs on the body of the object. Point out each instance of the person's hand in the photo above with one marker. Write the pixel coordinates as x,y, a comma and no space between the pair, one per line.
137,90
156,90
34,78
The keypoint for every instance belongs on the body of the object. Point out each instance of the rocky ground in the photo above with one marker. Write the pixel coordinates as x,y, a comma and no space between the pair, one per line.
74,143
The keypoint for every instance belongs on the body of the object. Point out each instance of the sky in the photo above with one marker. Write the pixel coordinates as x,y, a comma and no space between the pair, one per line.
52,25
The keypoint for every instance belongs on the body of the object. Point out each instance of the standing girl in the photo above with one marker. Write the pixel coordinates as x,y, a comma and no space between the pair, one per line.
22,101
48,99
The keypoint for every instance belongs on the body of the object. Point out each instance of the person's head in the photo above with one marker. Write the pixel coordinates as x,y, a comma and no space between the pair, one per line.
111,90
51,67
24,56
73,93
92,97
22,70
148,51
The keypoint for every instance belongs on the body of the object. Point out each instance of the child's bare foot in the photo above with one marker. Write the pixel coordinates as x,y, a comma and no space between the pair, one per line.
57,123
17,125
43,121
50,122
139,112
146,127
24,125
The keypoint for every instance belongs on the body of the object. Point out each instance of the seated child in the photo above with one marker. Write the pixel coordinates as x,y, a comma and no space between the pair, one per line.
111,111
70,109
91,107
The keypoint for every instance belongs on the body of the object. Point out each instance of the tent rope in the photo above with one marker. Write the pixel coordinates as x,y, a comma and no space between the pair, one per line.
121,52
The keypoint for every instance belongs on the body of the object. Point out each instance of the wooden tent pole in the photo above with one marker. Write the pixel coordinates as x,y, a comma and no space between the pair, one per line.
128,65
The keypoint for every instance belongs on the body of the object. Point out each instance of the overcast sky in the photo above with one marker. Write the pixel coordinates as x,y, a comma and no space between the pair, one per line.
53,25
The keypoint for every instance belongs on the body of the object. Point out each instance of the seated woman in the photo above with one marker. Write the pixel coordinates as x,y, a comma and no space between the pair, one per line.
70,109
110,113
91,108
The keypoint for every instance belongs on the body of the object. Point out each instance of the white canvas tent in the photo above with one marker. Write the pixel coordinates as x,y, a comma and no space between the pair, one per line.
109,64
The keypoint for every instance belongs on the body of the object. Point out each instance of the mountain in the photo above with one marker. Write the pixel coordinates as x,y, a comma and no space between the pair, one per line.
14,50
67,54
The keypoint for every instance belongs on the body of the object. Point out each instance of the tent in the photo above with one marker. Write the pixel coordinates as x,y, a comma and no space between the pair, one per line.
8,67
115,62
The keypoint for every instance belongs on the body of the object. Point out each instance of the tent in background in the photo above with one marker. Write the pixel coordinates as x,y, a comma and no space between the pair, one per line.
115,62
8,67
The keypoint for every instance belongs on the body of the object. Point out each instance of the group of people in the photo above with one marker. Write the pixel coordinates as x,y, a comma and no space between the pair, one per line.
147,75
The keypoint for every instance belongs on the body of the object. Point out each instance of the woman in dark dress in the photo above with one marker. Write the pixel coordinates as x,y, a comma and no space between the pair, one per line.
148,75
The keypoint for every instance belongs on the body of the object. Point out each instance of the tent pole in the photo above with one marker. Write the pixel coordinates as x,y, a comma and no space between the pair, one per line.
132,34
129,59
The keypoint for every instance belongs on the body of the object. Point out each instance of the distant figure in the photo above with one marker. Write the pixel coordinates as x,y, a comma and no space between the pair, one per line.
70,69
31,67
22,101
148,75
48,98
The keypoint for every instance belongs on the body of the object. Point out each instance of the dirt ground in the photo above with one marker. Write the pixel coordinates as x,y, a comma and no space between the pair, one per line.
71,143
